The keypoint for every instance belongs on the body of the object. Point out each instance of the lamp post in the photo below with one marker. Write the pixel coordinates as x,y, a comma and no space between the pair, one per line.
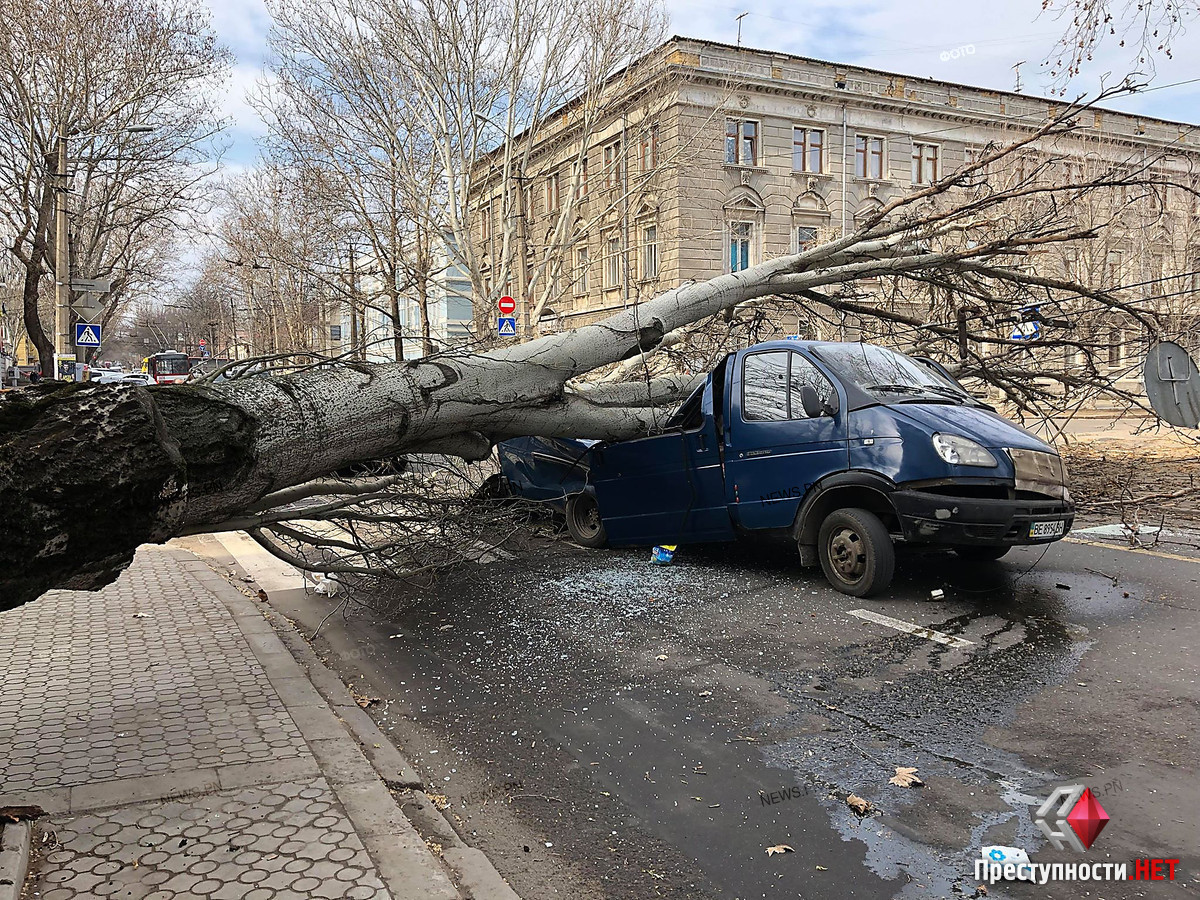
62,253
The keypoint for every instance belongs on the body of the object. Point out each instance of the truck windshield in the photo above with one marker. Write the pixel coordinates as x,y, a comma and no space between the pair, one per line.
888,375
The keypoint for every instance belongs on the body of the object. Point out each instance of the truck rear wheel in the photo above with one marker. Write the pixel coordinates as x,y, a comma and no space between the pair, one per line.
583,521
856,552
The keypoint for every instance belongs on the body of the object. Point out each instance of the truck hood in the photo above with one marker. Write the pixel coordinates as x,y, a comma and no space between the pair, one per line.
982,425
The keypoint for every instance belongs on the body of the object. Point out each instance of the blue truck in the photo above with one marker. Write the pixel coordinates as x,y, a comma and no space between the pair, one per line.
845,449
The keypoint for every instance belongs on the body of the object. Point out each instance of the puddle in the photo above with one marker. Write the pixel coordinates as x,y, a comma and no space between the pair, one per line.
933,718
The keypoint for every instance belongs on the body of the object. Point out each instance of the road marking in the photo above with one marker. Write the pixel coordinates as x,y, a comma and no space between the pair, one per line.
908,627
1143,552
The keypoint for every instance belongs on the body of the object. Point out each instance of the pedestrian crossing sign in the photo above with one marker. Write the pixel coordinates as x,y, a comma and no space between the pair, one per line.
508,326
87,335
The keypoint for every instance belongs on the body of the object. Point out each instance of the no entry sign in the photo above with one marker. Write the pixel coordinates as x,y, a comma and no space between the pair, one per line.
507,305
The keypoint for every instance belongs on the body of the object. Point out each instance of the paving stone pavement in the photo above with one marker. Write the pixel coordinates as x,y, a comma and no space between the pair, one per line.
261,843
181,752
151,675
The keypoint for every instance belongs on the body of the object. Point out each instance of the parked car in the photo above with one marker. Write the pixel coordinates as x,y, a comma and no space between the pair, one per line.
106,376
845,448
137,378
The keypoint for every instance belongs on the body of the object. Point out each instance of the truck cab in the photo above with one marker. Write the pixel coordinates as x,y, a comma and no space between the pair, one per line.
847,449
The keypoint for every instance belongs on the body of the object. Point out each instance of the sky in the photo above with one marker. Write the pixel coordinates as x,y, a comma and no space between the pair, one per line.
963,41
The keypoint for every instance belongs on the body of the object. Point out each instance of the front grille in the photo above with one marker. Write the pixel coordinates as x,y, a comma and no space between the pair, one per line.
1039,474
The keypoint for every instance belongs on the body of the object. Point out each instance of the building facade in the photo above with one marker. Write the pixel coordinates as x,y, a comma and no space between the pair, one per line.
449,305
712,158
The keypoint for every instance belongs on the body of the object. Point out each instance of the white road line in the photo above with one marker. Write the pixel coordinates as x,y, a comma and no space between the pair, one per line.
919,630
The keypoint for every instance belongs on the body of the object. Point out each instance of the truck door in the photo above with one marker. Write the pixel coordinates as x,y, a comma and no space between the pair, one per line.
774,452
667,489
643,489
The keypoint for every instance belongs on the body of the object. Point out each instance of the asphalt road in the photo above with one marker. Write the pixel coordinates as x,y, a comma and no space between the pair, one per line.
602,727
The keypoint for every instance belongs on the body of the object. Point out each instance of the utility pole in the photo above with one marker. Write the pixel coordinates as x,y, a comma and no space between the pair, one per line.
738,19
62,264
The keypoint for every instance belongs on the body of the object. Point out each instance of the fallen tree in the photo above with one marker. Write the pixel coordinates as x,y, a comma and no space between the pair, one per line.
89,473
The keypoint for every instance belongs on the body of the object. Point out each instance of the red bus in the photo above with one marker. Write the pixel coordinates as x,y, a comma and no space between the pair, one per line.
168,367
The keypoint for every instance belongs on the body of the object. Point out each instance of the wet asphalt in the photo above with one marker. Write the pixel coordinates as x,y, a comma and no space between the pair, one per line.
605,728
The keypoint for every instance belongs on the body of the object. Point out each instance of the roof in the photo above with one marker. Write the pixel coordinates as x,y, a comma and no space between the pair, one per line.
851,67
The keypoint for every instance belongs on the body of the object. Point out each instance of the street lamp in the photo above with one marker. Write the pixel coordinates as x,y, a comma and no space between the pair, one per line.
62,264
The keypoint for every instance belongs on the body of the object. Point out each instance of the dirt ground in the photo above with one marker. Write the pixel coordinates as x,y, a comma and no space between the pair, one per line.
1137,475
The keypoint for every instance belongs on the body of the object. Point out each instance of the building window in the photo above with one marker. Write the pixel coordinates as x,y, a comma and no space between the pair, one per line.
612,164
808,149
924,163
1114,264
1116,347
335,332
806,236
649,154
552,193
650,252
581,270
485,222
741,235
741,142
612,262
868,157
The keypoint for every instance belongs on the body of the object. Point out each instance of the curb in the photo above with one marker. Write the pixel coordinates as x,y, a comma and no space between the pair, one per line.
473,873
14,858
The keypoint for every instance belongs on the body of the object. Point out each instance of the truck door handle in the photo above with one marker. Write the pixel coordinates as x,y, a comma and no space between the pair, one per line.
703,443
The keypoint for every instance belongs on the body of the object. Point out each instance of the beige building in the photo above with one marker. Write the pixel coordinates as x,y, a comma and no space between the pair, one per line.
710,158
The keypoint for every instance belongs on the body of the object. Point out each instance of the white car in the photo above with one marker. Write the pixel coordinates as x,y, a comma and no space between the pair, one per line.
136,378
106,376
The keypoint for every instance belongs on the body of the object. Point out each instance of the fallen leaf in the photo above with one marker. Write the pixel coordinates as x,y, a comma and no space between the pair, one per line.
822,869
980,890
780,848
858,804
365,701
906,776
262,595
706,693
445,628
661,656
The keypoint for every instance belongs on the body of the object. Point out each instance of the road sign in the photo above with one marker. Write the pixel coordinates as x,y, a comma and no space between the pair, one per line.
507,326
507,305
87,335
1173,384
1026,331
99,285
87,305
203,342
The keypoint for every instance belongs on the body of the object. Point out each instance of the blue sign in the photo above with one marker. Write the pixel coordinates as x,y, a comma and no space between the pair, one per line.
87,335
507,326
1027,331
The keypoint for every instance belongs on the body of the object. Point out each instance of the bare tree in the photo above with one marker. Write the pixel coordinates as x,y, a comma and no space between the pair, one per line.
105,67
182,460
1147,27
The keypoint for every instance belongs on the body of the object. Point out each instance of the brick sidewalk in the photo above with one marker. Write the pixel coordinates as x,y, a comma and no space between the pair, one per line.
180,750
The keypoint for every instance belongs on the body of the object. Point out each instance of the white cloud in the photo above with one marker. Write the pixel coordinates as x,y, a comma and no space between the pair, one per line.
910,38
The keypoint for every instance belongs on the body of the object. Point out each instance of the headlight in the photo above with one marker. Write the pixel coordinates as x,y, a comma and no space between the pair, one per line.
960,451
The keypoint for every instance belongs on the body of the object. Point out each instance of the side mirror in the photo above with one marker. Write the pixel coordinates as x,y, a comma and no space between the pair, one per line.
813,407
831,405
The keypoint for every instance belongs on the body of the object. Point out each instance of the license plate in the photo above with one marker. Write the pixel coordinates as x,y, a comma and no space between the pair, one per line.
1047,529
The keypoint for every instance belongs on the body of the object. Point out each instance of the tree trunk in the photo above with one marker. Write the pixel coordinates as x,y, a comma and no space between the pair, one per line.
91,472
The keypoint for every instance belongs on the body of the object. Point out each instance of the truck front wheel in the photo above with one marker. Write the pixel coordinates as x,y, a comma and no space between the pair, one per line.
583,521
856,552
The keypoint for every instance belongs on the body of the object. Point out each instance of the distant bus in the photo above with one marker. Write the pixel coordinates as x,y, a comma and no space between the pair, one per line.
168,367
